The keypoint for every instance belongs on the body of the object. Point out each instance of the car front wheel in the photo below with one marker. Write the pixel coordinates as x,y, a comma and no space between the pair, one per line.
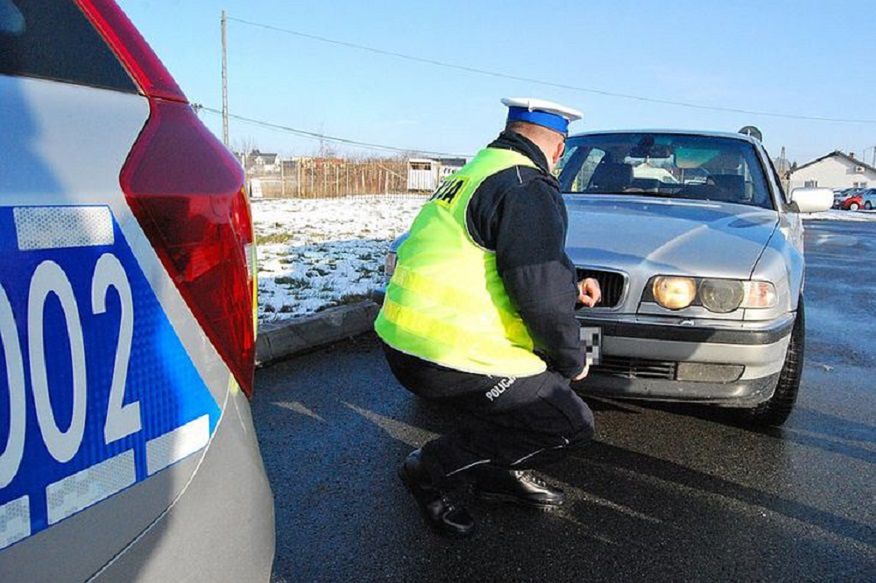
775,410
854,206
868,206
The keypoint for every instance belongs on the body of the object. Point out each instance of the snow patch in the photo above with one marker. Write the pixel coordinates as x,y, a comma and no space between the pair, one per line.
318,253
838,215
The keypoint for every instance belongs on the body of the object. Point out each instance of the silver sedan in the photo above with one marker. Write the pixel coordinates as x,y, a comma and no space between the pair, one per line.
700,256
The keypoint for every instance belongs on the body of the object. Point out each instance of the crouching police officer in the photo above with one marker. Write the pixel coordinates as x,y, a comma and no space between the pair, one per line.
479,313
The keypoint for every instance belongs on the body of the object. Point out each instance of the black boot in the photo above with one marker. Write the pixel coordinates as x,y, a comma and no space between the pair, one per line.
518,487
441,513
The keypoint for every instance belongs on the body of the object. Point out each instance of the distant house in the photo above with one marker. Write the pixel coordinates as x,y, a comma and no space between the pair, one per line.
424,174
834,170
256,162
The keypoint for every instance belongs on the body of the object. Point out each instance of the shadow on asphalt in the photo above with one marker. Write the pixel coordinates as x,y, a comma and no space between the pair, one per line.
822,430
665,491
435,418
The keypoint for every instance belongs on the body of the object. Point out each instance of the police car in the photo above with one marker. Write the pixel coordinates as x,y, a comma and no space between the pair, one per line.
127,322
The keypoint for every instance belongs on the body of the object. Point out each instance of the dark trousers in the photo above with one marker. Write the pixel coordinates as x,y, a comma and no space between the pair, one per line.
507,422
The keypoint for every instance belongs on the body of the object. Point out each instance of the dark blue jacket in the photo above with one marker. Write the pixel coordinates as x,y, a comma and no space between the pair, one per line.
519,214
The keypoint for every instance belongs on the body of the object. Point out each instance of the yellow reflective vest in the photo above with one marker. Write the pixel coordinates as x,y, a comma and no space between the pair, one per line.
446,302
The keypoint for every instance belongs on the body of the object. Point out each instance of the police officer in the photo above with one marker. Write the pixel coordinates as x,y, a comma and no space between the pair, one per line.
479,314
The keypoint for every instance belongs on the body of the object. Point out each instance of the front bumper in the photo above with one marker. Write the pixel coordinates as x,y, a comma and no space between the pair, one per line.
728,363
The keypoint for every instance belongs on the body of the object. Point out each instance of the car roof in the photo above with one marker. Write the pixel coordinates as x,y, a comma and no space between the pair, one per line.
710,134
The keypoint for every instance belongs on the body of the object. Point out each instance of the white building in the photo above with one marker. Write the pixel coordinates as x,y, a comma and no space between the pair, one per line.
256,162
426,173
835,170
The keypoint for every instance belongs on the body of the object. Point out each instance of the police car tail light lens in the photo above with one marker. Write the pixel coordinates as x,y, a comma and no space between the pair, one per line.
186,191
131,49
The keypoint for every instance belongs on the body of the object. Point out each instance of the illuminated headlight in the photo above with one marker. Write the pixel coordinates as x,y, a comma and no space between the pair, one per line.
674,293
759,294
721,295
391,259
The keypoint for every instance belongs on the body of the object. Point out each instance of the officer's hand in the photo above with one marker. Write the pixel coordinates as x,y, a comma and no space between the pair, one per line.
589,293
583,374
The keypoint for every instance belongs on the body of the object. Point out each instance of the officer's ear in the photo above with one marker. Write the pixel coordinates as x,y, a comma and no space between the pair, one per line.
561,147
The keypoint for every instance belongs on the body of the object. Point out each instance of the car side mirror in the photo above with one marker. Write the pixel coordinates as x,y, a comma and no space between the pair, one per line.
812,200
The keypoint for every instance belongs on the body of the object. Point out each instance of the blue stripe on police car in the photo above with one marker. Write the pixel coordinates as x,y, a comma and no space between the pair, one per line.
97,392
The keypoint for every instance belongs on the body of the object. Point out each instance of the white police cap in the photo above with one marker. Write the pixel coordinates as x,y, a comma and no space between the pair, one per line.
541,112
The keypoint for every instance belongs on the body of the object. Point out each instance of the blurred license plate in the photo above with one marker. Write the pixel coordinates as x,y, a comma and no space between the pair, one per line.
591,338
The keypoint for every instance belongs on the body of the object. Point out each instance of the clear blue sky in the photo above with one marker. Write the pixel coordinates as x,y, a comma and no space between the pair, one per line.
806,57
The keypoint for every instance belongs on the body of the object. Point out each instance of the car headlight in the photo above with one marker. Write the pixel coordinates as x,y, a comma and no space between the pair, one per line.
674,293
389,267
759,294
721,295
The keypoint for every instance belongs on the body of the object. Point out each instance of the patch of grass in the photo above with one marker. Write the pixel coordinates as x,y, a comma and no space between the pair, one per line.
352,299
269,308
286,309
343,301
293,282
273,238
368,272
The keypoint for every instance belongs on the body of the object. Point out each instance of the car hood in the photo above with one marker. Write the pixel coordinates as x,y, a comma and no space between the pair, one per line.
667,235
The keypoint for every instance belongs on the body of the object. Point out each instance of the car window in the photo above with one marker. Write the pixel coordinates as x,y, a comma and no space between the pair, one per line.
585,167
782,194
54,40
665,165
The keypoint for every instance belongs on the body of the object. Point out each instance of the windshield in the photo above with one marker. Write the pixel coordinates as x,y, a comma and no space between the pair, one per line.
664,165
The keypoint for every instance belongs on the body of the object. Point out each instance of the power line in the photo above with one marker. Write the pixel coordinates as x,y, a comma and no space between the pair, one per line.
543,82
319,136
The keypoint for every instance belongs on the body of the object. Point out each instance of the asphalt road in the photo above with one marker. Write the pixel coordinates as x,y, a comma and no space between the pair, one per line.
664,492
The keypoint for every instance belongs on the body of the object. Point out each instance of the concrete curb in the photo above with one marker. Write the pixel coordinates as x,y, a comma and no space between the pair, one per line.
284,339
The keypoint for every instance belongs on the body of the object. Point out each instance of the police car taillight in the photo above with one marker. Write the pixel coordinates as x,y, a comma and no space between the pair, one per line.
131,49
186,190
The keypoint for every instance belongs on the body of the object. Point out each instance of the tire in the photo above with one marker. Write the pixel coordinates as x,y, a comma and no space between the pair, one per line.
854,206
868,206
775,411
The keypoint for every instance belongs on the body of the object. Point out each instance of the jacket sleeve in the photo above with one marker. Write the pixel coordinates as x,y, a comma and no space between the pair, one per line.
538,275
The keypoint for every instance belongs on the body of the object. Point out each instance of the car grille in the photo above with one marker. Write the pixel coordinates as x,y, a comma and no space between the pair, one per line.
636,368
611,283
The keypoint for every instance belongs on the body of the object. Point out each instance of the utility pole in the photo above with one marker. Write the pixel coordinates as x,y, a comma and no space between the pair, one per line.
223,22
864,154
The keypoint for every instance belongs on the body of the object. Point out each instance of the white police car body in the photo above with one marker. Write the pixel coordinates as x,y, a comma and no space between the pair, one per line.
126,315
